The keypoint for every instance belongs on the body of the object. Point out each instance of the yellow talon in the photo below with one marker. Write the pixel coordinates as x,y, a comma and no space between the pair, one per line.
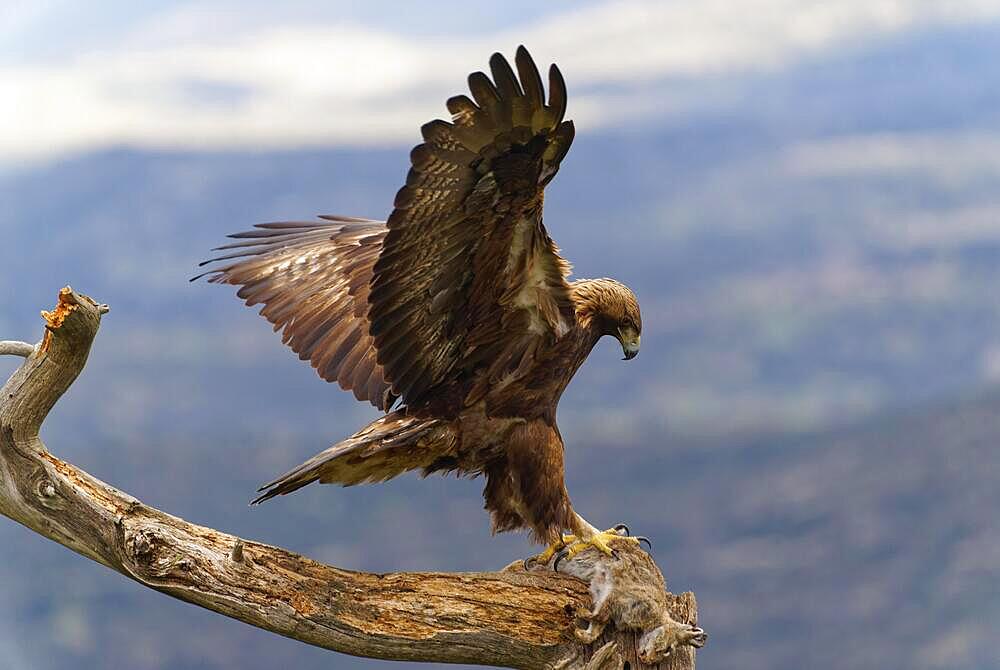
546,556
600,540
571,545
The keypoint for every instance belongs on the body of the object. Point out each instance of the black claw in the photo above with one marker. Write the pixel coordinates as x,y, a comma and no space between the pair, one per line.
526,564
621,527
643,538
561,555
615,555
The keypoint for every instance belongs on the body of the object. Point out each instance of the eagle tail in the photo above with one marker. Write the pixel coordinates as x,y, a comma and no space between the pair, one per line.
387,447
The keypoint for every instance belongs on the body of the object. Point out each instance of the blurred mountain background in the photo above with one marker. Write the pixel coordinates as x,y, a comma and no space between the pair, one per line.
806,200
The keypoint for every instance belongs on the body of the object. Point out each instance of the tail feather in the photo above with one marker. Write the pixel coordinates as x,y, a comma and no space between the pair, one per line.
387,447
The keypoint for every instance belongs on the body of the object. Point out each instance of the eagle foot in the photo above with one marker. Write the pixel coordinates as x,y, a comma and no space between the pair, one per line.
622,529
599,540
546,556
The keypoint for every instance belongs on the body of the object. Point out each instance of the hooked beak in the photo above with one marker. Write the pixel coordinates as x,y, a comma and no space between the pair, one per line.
630,343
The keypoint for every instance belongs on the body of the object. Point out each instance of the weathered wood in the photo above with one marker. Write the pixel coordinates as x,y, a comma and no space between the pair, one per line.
508,619
13,348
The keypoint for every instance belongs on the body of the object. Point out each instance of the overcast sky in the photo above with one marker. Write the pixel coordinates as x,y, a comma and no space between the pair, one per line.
227,74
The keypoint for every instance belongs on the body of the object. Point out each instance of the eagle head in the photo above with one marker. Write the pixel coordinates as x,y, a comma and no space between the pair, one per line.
611,308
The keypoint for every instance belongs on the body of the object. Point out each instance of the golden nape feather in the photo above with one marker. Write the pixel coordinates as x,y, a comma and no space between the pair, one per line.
458,305
599,297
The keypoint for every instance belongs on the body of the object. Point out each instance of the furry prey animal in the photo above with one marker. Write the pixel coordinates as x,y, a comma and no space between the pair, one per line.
629,591
459,306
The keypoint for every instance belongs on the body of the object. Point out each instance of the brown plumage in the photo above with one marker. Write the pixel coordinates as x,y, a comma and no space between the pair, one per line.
458,305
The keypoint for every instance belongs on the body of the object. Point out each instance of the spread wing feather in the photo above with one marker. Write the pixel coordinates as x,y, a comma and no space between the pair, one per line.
313,279
468,279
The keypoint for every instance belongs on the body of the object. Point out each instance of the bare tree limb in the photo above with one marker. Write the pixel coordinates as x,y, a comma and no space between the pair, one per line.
13,348
509,619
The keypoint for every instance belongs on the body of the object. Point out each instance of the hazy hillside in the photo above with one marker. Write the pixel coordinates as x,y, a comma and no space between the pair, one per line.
813,249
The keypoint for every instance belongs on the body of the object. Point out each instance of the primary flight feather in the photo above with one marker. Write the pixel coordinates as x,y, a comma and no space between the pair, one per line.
458,305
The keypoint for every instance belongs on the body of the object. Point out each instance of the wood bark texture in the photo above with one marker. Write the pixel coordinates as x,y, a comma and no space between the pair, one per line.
508,619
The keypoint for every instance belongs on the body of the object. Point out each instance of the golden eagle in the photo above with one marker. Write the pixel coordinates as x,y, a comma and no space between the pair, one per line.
458,305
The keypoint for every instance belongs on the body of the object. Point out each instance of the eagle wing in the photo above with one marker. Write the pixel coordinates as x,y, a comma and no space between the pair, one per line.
463,276
313,280
468,279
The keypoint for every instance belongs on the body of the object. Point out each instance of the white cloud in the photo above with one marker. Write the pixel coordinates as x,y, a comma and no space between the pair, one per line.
955,157
294,84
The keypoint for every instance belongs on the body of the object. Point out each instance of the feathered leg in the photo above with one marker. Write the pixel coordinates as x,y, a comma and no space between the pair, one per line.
527,489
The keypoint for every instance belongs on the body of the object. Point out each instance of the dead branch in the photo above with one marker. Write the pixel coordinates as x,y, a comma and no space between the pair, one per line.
510,619
12,348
